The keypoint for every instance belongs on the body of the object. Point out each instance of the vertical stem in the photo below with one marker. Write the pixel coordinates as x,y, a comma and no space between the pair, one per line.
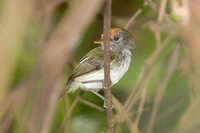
107,81
162,87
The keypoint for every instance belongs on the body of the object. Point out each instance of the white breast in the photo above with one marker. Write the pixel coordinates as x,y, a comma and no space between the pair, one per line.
119,69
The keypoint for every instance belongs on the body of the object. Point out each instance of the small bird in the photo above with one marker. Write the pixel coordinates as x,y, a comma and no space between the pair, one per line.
89,73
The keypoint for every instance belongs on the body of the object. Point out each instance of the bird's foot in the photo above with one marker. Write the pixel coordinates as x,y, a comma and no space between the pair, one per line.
105,106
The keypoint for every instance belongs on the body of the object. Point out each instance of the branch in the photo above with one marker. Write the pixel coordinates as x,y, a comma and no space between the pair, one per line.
144,74
68,114
75,102
134,16
157,34
107,81
162,86
14,19
145,77
52,63
123,116
90,104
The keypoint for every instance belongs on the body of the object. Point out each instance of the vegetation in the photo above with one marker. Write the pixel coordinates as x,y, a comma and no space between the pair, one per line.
42,41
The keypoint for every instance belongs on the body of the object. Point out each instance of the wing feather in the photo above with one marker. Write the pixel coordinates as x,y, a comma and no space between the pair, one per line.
91,63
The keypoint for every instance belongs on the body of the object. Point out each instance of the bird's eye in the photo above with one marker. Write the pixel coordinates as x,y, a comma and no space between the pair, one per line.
116,37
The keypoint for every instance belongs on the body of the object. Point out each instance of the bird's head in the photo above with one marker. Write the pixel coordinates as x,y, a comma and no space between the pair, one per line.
120,39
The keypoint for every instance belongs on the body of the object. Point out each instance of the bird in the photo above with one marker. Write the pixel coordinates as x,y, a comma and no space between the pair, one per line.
88,75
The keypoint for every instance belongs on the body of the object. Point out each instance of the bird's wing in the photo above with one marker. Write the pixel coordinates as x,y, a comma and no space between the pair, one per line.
91,63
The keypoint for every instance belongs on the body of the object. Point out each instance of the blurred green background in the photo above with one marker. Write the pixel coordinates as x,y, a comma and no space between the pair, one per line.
87,120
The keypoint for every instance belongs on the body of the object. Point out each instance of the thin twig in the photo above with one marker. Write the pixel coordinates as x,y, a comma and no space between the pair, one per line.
49,8
139,11
189,26
90,104
15,18
162,86
107,81
142,99
149,62
157,34
53,60
162,9
145,71
121,111
75,102
121,118
134,16
48,119
151,4
160,17
144,77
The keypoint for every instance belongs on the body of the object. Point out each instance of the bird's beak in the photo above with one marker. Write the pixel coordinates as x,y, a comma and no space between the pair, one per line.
101,42
98,42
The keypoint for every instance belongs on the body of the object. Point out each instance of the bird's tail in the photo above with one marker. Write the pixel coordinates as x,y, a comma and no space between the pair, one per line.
70,87
66,90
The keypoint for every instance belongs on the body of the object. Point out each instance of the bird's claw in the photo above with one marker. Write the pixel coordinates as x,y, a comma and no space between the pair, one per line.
105,106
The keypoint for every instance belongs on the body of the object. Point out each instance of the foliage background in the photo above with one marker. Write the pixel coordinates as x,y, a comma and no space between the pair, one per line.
26,33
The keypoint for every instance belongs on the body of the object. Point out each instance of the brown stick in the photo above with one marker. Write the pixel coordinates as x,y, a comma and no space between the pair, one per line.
14,20
162,86
144,74
119,119
107,81
61,45
90,104
68,114
49,117
134,16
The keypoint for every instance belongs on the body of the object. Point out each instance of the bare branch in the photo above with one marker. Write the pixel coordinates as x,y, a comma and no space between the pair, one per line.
134,16
90,104
162,9
122,115
144,74
48,119
162,86
14,19
68,114
157,34
61,45
107,81
132,19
